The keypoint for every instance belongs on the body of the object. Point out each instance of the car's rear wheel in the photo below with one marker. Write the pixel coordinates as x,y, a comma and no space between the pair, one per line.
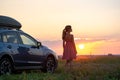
5,66
49,65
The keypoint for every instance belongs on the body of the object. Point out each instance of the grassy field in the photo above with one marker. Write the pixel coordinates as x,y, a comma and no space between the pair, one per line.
84,68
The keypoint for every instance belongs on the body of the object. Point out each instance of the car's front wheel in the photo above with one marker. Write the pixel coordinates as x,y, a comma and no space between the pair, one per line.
50,65
5,66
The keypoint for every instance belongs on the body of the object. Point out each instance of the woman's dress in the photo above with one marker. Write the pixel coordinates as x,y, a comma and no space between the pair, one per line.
69,50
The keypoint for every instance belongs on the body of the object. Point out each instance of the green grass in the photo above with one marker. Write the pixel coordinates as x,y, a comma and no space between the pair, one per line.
88,68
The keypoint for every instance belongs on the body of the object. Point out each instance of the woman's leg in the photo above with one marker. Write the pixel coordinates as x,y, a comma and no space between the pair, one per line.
70,62
67,62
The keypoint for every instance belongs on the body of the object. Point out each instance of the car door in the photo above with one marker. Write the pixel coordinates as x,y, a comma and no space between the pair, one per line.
34,53
11,41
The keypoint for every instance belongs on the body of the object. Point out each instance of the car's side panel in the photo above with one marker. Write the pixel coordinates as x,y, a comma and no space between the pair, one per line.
33,54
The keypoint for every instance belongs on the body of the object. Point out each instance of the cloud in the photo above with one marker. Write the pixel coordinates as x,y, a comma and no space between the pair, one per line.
86,40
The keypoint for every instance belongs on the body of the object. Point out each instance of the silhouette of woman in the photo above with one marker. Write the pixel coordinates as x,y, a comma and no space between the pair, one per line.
69,49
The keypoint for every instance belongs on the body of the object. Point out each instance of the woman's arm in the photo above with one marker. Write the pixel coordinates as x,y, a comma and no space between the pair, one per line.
74,44
63,43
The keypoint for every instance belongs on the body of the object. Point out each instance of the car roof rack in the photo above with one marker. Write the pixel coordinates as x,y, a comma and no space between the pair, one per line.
9,23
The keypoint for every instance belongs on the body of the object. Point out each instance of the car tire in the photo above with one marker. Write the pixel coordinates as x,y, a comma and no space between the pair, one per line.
49,65
6,66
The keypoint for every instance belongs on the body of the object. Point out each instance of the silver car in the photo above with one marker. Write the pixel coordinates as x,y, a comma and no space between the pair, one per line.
19,51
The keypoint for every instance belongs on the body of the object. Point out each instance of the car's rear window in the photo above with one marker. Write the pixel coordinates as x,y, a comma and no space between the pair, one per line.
10,37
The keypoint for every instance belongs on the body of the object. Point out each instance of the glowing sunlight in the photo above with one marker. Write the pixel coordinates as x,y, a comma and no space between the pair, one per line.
81,46
88,48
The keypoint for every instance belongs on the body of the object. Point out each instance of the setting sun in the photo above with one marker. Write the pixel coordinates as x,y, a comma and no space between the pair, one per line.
81,46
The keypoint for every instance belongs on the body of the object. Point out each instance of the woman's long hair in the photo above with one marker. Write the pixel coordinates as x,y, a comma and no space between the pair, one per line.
63,34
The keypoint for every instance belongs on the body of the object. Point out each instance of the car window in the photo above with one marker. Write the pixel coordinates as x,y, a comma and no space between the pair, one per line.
4,38
10,37
27,40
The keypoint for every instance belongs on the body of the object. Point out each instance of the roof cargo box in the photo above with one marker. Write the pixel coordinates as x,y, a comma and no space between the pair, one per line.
7,22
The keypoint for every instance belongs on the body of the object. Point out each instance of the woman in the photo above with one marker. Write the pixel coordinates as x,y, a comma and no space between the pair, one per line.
69,49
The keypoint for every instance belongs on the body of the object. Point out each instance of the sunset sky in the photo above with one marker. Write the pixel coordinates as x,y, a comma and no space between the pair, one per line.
95,23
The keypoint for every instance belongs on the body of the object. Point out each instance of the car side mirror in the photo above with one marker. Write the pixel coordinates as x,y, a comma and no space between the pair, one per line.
39,44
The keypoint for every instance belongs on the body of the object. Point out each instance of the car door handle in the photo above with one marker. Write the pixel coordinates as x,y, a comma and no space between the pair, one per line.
9,46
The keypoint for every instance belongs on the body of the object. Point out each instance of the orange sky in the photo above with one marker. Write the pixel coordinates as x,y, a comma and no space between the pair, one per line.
91,46
95,23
